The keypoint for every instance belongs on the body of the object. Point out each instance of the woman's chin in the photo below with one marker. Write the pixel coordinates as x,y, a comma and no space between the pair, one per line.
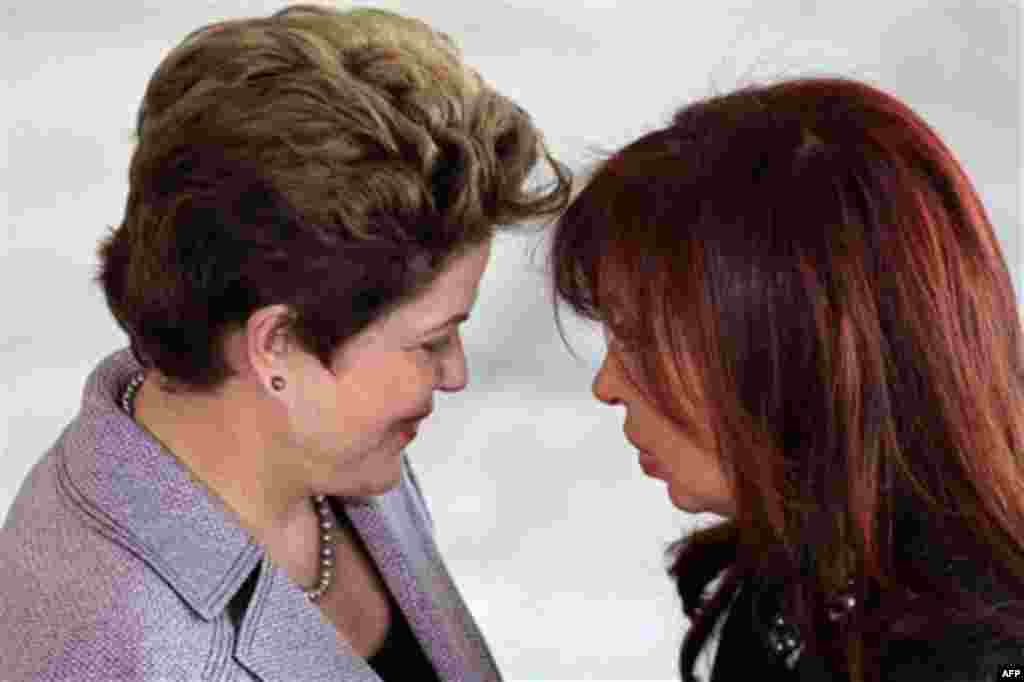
689,503
378,474
369,487
685,504
380,488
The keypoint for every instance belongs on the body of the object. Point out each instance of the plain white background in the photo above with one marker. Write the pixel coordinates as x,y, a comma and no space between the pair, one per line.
550,528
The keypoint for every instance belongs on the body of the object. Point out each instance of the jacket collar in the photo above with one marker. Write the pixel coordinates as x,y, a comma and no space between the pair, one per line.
142,495
144,498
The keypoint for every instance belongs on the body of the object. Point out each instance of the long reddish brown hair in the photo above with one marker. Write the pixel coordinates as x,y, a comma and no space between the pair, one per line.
814,251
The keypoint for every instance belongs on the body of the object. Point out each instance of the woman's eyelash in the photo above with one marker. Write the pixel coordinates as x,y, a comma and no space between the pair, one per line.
625,347
621,341
437,345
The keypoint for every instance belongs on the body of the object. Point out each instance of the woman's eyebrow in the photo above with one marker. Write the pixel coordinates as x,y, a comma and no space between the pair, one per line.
454,319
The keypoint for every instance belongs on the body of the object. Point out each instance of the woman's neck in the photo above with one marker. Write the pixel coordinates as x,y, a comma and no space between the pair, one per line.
223,441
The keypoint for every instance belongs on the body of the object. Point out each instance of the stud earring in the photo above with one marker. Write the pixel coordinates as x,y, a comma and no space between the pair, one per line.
278,383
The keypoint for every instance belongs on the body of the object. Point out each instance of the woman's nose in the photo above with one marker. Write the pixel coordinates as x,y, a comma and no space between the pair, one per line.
454,370
603,387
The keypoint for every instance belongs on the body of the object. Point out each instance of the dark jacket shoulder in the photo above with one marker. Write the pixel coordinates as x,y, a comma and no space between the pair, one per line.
967,653
961,653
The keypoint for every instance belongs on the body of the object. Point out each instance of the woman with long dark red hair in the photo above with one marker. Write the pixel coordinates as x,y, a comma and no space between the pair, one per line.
814,334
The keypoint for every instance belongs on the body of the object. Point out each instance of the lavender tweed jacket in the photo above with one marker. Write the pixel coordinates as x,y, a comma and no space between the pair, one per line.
115,565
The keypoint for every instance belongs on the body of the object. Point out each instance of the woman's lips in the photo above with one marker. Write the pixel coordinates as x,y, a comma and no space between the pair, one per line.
411,428
647,461
408,431
649,464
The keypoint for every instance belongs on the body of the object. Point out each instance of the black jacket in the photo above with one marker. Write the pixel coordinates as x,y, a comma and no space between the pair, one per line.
964,654
960,653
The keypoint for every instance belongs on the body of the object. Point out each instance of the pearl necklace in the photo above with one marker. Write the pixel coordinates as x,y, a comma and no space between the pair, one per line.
323,510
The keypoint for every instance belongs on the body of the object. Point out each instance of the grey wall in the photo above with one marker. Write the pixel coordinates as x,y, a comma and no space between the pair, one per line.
551,529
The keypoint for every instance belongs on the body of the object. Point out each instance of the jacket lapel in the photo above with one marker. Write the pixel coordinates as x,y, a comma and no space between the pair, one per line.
399,539
282,636
134,487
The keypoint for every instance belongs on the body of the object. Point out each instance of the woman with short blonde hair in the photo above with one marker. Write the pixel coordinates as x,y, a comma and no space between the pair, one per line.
311,204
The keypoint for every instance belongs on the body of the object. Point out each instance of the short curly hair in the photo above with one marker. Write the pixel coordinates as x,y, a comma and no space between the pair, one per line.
331,161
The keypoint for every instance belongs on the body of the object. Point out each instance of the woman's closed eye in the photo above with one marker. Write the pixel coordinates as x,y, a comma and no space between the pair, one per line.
626,347
622,342
437,345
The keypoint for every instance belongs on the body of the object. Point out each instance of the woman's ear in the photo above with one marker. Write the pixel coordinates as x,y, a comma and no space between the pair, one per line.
264,344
